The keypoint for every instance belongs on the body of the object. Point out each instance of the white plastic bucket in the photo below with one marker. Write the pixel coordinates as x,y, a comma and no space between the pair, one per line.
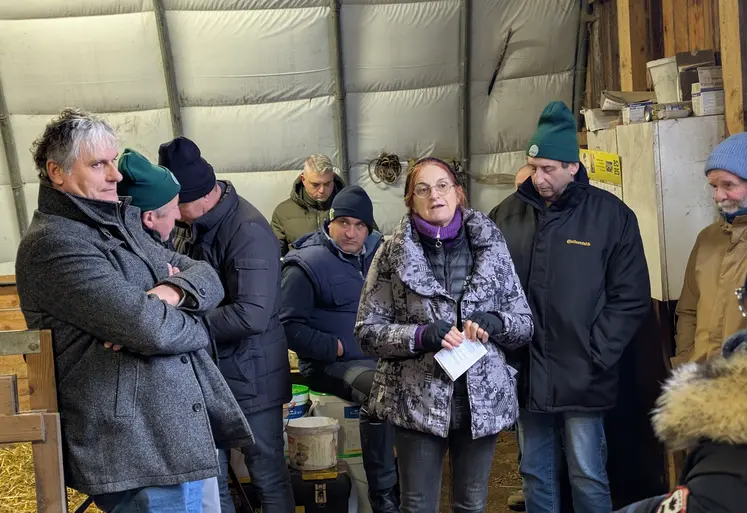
665,76
348,416
312,443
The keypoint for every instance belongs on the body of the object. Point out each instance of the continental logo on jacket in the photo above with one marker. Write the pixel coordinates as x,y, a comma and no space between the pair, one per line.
578,242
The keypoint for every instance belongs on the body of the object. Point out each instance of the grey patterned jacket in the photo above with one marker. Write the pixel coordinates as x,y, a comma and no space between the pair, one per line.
410,389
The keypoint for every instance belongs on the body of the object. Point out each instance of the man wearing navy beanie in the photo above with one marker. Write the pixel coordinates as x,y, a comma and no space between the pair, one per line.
322,278
718,261
232,235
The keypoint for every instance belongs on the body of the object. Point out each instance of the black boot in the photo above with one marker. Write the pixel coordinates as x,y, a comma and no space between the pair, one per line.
386,501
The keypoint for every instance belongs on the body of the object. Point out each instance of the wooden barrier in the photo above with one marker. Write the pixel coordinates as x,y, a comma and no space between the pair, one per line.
28,398
41,425
11,319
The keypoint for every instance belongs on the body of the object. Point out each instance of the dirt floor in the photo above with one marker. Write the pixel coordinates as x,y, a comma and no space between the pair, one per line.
504,478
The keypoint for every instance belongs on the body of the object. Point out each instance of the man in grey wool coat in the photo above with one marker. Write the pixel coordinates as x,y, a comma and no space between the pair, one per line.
140,425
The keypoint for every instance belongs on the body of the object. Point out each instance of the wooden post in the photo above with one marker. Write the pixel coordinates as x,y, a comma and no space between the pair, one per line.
632,35
51,496
670,40
733,33
42,383
8,395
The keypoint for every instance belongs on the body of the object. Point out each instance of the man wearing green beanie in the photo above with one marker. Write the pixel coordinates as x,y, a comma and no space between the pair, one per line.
579,256
154,190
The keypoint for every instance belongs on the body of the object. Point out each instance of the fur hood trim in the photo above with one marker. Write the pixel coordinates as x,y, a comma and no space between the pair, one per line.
704,401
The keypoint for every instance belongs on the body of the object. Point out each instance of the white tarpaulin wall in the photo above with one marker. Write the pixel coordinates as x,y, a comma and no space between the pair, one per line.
255,85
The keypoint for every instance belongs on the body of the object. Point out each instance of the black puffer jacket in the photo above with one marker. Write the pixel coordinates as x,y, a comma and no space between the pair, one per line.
238,242
582,266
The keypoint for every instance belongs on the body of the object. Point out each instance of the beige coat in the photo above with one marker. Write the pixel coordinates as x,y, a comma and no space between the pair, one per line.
707,313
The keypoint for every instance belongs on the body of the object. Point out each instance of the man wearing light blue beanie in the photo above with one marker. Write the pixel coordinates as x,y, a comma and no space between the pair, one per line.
706,315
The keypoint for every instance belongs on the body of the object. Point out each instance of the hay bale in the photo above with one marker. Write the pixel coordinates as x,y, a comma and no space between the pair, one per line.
18,493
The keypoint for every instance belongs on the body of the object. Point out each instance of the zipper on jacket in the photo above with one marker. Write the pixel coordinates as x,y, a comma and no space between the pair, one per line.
438,238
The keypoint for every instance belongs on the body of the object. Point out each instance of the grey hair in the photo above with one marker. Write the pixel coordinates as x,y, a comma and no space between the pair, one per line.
64,136
319,164
160,212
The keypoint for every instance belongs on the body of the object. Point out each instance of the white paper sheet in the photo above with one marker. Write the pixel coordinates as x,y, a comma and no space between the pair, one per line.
458,360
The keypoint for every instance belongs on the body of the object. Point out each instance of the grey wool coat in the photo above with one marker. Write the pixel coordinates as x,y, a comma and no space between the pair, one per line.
152,413
410,389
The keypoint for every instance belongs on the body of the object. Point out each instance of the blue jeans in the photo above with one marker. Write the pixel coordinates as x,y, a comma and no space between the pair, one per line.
544,438
352,380
266,464
420,458
181,498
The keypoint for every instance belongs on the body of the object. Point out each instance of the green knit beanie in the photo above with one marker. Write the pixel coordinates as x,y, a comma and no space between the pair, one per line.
150,186
555,137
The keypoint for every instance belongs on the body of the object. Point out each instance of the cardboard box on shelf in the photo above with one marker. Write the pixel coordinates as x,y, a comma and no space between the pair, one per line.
598,119
634,114
707,102
687,66
617,100
711,77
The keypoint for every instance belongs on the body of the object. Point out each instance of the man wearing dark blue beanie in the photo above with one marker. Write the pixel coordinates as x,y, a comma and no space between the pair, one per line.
322,278
718,261
589,292
230,233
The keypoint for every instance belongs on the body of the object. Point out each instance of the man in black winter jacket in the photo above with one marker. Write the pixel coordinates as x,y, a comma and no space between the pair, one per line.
232,235
578,253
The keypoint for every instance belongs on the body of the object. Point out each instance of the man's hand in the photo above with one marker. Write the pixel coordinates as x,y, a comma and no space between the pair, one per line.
340,349
172,269
168,293
113,347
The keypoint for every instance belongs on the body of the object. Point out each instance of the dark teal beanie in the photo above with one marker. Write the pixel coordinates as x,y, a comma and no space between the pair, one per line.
555,137
150,186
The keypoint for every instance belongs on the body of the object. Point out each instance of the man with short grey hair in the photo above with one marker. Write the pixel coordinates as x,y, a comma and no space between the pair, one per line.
140,424
307,208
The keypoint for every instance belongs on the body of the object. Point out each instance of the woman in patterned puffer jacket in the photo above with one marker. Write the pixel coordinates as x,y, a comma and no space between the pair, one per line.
445,271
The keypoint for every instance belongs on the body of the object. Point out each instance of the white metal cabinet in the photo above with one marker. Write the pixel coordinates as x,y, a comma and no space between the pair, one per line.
665,185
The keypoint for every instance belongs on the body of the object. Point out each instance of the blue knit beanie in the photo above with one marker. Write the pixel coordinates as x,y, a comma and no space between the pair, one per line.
730,155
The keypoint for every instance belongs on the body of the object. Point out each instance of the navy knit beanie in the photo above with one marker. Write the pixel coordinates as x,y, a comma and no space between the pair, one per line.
730,155
353,201
195,175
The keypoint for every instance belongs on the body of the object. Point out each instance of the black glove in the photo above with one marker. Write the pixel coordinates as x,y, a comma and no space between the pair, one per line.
489,322
433,334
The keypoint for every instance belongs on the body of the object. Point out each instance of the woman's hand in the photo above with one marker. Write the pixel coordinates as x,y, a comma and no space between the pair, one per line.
473,331
481,326
439,334
452,339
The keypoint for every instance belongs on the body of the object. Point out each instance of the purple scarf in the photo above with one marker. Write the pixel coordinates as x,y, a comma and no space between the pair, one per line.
447,233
